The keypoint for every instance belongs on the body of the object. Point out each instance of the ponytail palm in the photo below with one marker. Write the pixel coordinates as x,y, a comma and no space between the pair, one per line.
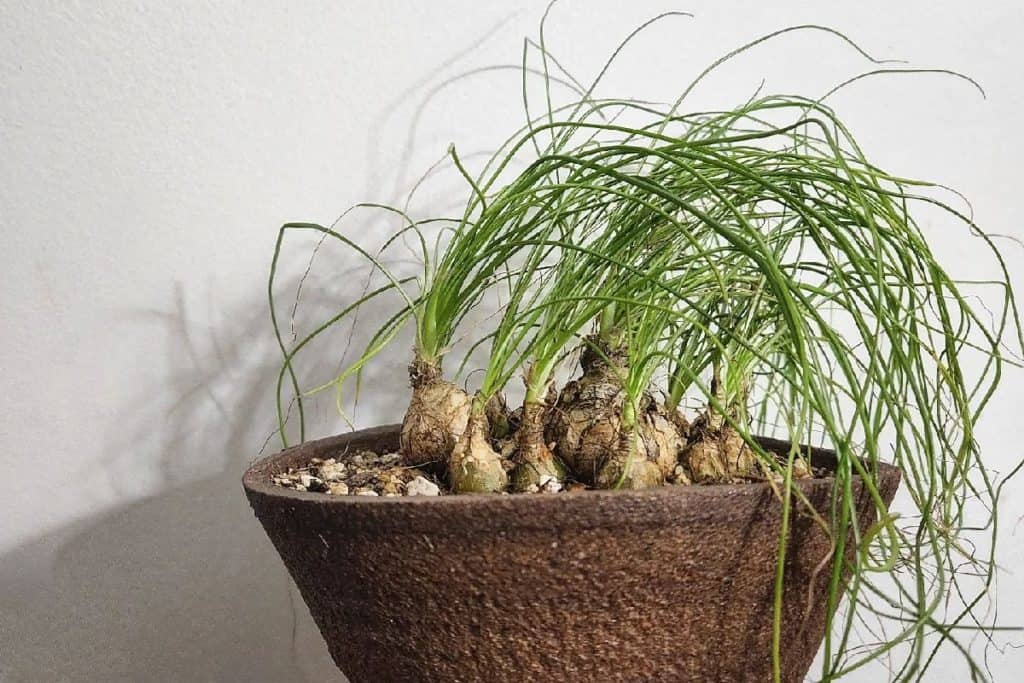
755,261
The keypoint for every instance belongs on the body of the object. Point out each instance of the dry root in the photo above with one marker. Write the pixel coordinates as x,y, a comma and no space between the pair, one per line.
473,466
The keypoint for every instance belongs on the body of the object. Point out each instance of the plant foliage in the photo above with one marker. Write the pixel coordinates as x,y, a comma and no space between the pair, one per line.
759,246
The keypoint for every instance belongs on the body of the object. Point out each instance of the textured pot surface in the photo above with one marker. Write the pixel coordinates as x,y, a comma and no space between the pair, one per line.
668,584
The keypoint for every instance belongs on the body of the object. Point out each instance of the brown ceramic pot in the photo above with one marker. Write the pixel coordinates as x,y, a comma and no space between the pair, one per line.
667,584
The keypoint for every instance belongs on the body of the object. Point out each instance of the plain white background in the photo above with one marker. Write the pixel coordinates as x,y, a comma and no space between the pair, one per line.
149,152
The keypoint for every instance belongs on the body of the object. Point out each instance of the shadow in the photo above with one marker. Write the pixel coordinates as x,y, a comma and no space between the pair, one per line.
183,585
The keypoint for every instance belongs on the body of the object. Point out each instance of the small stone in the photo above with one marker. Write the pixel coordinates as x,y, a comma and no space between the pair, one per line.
305,480
300,487
390,459
338,488
366,492
316,461
358,459
421,486
331,471
549,484
313,483
532,488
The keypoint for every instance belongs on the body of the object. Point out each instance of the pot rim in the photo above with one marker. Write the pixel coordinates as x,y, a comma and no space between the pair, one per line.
256,479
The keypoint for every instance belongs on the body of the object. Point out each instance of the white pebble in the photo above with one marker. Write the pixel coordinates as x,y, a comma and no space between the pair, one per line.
549,484
338,489
366,492
421,486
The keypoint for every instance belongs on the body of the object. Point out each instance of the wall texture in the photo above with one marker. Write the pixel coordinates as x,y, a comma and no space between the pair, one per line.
150,150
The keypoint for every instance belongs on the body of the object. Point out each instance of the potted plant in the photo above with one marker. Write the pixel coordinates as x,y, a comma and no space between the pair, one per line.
751,262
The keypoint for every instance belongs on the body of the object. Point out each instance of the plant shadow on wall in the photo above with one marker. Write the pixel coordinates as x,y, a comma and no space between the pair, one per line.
184,585
175,586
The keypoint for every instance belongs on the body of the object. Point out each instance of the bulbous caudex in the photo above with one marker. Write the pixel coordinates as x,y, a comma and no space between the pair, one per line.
436,419
628,468
647,451
444,425
602,437
535,463
473,465
716,452
585,424
662,435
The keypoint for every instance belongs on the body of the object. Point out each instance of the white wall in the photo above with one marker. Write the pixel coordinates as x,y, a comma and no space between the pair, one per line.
149,152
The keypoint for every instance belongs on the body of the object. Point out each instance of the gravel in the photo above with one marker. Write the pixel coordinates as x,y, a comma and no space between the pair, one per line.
362,473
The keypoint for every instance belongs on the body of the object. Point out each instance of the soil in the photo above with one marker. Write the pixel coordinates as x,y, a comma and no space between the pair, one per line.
365,473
